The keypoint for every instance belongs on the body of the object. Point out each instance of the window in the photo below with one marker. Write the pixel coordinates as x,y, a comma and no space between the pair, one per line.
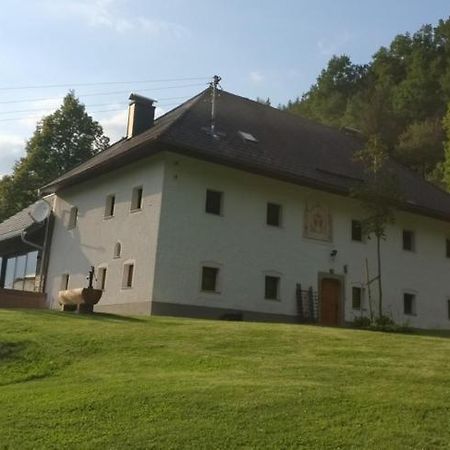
213,202
128,275
136,198
209,279
409,304
272,288
9,276
20,273
357,234
109,206
101,279
408,240
64,282
356,297
73,218
273,215
448,309
447,248
117,250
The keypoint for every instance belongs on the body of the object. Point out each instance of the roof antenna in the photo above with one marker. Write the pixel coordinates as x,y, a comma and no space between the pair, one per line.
214,84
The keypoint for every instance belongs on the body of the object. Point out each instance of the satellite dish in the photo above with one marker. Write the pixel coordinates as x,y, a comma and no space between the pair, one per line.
40,211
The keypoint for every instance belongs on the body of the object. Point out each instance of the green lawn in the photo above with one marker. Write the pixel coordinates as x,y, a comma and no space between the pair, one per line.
108,382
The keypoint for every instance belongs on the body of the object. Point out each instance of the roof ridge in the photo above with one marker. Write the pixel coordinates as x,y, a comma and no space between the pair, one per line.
193,101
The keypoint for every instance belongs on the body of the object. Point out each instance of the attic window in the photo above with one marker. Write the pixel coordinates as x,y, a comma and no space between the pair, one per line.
247,136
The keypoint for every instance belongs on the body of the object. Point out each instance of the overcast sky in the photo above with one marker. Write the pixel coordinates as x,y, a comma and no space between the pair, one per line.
266,48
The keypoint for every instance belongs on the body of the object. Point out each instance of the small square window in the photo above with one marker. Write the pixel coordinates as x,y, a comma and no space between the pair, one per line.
128,275
273,215
356,297
357,234
209,279
213,202
110,205
447,248
101,278
136,198
408,240
272,288
73,218
409,304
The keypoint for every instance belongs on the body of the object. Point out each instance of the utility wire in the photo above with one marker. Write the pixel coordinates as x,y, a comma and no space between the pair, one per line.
50,108
89,112
100,83
87,106
159,88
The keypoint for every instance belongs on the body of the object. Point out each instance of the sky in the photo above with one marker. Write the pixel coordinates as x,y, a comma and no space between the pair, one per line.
169,50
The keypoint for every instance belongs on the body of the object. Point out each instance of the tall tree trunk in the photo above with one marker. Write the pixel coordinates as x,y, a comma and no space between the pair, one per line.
380,288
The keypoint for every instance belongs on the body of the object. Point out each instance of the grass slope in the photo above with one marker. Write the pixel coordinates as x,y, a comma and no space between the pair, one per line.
69,381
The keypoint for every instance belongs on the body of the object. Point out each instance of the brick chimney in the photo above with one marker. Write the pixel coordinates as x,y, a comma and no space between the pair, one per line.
141,115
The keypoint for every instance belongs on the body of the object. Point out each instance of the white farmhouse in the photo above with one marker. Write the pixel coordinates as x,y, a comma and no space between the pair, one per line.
253,221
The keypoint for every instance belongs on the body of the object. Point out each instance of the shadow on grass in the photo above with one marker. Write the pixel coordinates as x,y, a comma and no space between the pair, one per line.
445,334
11,350
97,316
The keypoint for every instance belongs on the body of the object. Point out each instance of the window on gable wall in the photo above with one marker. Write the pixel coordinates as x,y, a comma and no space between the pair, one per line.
128,275
101,278
356,297
209,279
136,198
409,243
273,216
64,281
213,203
409,304
272,288
110,205
357,234
117,250
73,218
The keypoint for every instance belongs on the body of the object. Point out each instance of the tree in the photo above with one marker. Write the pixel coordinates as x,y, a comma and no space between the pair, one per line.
420,146
327,99
401,95
379,196
446,163
61,141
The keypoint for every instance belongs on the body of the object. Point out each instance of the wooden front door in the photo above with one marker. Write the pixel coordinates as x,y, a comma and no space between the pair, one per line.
330,301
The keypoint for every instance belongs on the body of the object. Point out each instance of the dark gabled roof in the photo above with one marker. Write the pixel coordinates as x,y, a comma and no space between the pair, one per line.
288,147
18,223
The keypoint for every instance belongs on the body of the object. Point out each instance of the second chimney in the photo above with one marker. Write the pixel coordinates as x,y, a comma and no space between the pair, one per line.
141,115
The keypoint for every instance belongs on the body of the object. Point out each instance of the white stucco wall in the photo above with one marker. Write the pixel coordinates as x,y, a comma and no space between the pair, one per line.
92,241
245,248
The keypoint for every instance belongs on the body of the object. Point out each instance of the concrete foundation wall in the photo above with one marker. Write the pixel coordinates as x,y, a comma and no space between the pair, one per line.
10,298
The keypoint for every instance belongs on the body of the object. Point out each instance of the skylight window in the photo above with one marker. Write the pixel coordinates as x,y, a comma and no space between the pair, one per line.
247,136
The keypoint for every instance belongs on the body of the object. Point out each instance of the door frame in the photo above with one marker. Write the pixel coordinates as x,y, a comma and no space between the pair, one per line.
341,279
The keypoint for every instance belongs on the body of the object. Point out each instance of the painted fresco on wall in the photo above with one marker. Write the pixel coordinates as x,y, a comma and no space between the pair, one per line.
317,222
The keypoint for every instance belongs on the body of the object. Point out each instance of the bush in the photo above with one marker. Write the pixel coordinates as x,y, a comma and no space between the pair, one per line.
361,322
383,323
